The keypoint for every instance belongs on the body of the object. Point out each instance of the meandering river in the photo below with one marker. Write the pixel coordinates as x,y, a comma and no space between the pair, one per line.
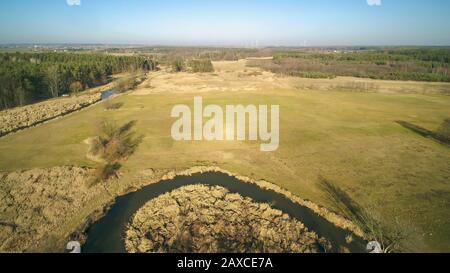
107,234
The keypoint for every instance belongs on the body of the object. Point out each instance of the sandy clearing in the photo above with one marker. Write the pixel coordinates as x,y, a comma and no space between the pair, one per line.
228,76
234,76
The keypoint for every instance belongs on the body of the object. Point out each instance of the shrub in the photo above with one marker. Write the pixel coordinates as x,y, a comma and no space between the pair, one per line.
312,75
113,106
115,144
109,170
125,84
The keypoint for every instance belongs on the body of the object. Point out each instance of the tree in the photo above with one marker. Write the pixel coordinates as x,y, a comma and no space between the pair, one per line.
52,77
178,65
20,95
201,66
76,87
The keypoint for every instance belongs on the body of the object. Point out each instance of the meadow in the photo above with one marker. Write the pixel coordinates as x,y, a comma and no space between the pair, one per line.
350,138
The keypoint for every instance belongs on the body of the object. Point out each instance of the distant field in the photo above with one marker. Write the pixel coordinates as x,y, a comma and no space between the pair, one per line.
350,138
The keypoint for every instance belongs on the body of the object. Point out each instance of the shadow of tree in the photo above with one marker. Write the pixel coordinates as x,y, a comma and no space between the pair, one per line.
342,201
367,219
442,135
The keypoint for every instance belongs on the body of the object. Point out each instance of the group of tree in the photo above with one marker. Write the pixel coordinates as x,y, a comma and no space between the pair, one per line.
422,64
201,66
194,66
29,77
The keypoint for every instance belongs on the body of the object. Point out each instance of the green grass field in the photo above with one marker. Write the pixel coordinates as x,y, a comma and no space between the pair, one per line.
349,138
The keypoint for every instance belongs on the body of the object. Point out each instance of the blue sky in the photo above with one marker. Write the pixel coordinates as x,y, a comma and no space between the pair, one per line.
227,22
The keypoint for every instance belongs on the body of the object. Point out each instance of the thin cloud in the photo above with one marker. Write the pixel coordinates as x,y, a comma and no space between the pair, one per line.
374,2
73,2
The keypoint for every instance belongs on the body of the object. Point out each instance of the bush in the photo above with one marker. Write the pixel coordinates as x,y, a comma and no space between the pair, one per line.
109,170
115,144
113,106
312,75
129,83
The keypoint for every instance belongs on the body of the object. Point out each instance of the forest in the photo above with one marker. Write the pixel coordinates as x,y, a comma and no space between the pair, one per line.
30,77
409,64
167,54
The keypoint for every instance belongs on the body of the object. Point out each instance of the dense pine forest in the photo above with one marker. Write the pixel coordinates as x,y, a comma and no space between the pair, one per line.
30,77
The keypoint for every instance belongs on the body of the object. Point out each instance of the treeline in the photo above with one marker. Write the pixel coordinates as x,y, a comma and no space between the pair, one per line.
166,55
29,77
424,64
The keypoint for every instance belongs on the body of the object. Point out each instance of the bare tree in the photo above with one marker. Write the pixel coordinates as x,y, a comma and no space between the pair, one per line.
20,96
53,80
76,87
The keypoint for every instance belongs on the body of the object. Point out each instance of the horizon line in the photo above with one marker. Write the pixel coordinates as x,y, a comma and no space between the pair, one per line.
218,46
